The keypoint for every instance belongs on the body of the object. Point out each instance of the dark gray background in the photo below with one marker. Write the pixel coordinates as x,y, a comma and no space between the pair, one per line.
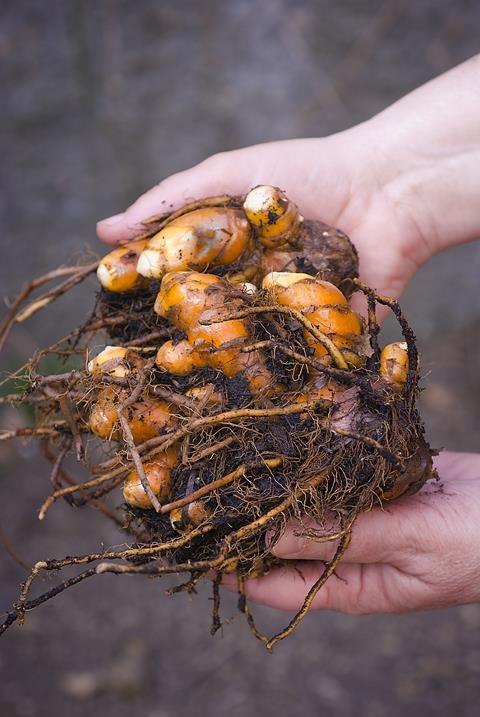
99,101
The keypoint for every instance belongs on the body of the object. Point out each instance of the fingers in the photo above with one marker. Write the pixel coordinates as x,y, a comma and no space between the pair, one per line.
453,466
228,172
374,540
355,589
392,562
383,535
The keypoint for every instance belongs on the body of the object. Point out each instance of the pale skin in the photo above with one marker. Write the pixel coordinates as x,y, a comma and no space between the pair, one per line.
404,186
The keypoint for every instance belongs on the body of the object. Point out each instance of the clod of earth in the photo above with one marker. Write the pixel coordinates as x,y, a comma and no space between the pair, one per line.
237,389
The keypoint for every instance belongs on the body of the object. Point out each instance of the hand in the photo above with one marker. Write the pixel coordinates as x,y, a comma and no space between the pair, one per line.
419,553
403,185
331,179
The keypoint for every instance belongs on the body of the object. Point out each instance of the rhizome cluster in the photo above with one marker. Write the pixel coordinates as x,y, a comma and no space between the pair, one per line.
236,389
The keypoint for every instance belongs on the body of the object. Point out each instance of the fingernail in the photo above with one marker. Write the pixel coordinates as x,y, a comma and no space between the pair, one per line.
112,221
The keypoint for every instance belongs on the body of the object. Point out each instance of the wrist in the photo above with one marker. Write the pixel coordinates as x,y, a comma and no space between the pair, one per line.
427,146
437,187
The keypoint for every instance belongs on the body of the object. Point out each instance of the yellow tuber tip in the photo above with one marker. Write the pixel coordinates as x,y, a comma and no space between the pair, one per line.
111,361
275,217
283,279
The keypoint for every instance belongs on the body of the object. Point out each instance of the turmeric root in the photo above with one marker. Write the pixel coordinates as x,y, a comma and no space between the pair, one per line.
185,299
118,271
326,307
203,238
147,417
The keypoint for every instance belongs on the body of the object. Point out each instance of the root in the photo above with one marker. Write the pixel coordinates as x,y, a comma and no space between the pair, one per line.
245,610
307,603
350,378
37,432
322,338
22,399
81,487
5,541
19,614
216,448
128,436
175,398
137,461
146,338
73,426
373,325
90,501
369,442
408,334
76,275
220,483
216,621
189,586
57,464
248,445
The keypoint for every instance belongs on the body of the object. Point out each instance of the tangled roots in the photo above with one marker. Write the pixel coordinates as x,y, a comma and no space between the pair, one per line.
228,402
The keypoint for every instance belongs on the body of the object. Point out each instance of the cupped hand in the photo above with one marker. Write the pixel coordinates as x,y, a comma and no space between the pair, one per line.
418,553
341,180
403,185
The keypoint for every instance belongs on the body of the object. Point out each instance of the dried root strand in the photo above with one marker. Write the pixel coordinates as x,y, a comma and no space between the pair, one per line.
18,613
76,275
23,399
59,472
5,541
189,586
408,334
73,426
220,483
38,431
57,464
245,610
373,328
312,593
369,441
68,490
216,621
128,436
211,450
322,338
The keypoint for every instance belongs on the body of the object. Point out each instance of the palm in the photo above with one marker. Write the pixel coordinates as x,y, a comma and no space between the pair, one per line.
401,559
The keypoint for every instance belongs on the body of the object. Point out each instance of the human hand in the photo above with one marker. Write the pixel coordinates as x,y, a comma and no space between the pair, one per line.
419,553
403,185
331,179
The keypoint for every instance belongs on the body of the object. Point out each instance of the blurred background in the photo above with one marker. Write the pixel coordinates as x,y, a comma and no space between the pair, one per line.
100,100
